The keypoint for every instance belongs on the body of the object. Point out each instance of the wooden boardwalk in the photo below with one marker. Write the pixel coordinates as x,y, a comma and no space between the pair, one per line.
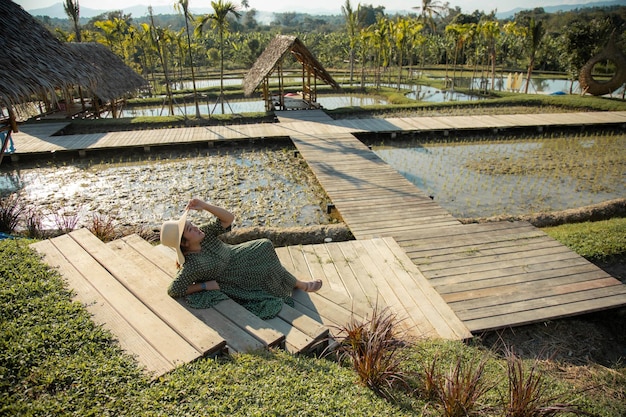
37,138
124,286
492,275
440,277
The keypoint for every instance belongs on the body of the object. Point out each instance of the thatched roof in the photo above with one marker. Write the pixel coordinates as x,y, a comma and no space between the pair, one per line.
114,77
32,60
275,52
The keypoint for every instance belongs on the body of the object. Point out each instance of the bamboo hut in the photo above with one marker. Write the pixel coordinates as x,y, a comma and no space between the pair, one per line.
115,79
270,62
34,64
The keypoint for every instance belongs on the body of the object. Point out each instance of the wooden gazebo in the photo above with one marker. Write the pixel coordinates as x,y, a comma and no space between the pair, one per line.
270,63
115,79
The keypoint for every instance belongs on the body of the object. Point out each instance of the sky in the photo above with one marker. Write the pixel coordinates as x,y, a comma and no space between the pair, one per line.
333,6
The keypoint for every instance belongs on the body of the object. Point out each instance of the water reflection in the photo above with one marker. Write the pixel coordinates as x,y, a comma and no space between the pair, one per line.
249,106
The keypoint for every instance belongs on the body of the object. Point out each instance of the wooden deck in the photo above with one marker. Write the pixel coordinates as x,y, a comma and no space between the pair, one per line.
492,275
124,285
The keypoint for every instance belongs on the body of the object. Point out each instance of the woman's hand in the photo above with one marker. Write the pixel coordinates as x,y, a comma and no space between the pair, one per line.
196,204
225,216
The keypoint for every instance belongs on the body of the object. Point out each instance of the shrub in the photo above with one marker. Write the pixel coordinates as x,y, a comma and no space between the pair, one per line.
34,224
372,346
10,212
66,222
461,388
103,227
527,392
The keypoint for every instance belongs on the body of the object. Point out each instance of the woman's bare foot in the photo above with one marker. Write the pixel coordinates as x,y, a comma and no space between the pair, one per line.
313,286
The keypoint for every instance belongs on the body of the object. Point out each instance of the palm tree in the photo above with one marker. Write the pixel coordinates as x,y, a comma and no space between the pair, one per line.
352,25
158,38
72,10
427,9
490,31
218,19
184,5
535,36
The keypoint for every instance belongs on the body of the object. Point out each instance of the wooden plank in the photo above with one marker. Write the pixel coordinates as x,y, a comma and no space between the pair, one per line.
162,337
152,292
104,313
428,294
551,312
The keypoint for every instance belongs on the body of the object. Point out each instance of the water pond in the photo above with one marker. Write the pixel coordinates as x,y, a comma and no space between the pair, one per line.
485,178
250,106
270,186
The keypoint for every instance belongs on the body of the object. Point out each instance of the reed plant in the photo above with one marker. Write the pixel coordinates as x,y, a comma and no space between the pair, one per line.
11,209
103,227
372,347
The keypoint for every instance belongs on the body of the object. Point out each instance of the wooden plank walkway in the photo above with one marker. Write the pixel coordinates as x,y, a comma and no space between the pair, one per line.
39,137
492,275
441,278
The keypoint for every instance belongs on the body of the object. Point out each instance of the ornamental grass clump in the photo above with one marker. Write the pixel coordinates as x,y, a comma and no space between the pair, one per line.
462,387
528,392
372,347
10,212
103,227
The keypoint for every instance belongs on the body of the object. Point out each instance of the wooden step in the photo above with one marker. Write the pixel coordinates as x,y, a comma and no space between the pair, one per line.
157,346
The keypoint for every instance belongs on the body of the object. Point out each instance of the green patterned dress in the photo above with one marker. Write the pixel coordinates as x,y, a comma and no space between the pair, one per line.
250,273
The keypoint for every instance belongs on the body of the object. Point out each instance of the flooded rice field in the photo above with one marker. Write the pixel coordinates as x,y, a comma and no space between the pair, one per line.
263,187
482,177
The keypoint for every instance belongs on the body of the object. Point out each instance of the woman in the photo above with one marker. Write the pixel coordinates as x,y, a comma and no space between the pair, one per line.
211,270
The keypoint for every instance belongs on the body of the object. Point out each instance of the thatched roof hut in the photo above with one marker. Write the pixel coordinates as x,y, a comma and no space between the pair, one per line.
114,77
33,60
270,62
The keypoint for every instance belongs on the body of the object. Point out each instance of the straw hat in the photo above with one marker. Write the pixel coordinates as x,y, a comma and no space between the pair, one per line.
172,232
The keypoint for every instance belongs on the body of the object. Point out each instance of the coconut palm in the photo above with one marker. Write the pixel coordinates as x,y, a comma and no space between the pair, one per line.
535,36
353,25
72,10
429,8
219,21
184,5
159,37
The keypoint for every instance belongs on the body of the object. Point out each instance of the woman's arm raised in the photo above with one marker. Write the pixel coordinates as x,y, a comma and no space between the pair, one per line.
225,216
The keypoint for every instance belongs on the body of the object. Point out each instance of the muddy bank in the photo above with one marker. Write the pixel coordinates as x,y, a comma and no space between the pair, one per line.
595,212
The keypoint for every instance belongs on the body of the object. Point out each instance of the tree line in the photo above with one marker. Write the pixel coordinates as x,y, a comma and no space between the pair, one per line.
363,40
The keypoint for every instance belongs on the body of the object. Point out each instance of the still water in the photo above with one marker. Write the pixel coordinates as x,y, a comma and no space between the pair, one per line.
459,176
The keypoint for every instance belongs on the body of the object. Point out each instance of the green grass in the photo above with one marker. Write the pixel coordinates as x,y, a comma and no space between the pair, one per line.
594,240
55,361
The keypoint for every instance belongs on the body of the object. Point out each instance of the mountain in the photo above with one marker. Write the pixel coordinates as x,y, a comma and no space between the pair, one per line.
56,10
562,8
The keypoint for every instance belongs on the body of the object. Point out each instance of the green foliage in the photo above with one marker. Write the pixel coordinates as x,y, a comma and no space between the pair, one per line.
593,240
